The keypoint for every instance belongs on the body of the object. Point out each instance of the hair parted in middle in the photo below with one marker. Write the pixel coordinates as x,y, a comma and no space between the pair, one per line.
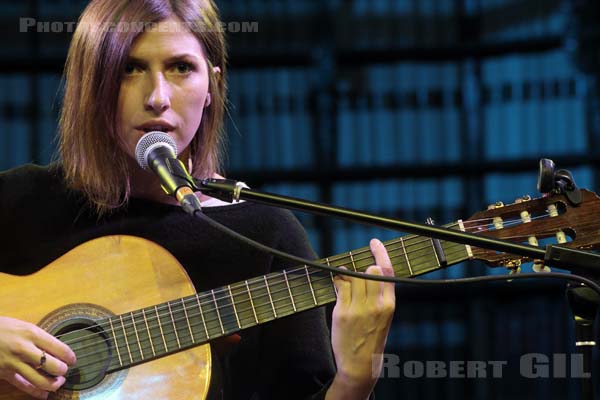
89,150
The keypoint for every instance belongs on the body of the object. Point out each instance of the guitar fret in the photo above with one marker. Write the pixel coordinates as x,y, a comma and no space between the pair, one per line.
435,252
217,310
234,307
182,322
125,336
467,247
289,290
174,326
406,256
436,246
188,321
149,334
162,334
330,273
251,301
270,298
312,291
112,329
202,316
137,336
352,260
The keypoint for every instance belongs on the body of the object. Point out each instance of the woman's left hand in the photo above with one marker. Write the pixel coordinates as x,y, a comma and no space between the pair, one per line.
360,324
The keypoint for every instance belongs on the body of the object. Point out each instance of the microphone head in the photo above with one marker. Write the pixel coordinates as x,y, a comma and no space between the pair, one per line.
151,141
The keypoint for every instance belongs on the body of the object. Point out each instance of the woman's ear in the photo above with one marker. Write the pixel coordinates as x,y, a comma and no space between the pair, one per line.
216,71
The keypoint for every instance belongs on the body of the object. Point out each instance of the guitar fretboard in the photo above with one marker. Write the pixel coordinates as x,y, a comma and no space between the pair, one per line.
179,324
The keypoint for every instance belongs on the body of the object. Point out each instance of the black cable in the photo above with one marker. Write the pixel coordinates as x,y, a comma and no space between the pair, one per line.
266,249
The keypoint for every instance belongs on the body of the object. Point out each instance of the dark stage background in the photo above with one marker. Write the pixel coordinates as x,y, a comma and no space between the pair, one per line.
404,108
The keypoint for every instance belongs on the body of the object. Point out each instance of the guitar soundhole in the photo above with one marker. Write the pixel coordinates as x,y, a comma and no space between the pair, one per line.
93,348
80,326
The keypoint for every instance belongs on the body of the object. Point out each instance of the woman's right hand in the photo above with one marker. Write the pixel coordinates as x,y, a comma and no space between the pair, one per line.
22,349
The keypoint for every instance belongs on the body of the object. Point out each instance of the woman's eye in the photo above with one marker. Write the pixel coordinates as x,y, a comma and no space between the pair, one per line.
130,68
183,67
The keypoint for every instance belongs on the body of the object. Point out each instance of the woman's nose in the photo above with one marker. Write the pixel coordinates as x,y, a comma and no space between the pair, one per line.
158,100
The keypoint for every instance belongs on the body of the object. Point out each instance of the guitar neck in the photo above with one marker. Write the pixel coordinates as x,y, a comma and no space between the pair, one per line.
182,323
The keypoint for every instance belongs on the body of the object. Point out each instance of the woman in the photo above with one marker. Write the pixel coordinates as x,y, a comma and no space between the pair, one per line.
120,83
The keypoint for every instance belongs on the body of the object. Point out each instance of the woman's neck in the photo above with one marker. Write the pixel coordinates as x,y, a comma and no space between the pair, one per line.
146,185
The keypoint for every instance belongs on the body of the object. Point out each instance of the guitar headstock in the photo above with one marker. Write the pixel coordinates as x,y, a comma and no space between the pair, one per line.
528,221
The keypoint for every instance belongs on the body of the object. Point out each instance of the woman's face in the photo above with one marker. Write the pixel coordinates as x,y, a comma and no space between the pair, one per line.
164,86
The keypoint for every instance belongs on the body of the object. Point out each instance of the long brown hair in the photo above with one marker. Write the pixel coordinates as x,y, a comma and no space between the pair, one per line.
89,153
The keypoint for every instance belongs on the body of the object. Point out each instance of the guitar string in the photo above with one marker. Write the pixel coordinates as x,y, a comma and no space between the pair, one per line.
340,257
113,363
228,296
292,279
244,315
343,258
516,220
289,304
135,353
185,309
262,286
210,324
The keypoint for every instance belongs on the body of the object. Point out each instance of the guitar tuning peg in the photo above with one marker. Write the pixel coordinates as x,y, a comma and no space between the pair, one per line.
532,240
523,199
561,237
514,267
498,222
538,266
498,204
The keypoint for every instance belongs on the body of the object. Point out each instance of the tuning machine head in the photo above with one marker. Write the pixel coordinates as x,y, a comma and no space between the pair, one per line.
523,199
538,266
514,267
551,180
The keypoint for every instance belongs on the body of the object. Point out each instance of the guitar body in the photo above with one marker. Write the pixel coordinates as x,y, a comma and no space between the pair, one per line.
110,275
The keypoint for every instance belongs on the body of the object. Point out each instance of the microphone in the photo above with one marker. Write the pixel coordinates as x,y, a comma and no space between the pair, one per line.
156,151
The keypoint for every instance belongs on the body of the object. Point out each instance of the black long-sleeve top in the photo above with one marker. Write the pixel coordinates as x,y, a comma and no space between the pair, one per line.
289,358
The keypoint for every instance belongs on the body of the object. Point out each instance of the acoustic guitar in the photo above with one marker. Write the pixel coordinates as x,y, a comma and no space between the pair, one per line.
129,311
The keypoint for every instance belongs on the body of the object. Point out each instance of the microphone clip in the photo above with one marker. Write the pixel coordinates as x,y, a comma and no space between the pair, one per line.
227,190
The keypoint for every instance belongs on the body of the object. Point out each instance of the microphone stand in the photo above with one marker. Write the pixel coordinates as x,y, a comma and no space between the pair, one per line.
583,304
584,307
582,300
554,256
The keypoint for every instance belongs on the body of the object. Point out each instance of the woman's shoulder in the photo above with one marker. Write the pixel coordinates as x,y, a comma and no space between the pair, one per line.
31,173
30,180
